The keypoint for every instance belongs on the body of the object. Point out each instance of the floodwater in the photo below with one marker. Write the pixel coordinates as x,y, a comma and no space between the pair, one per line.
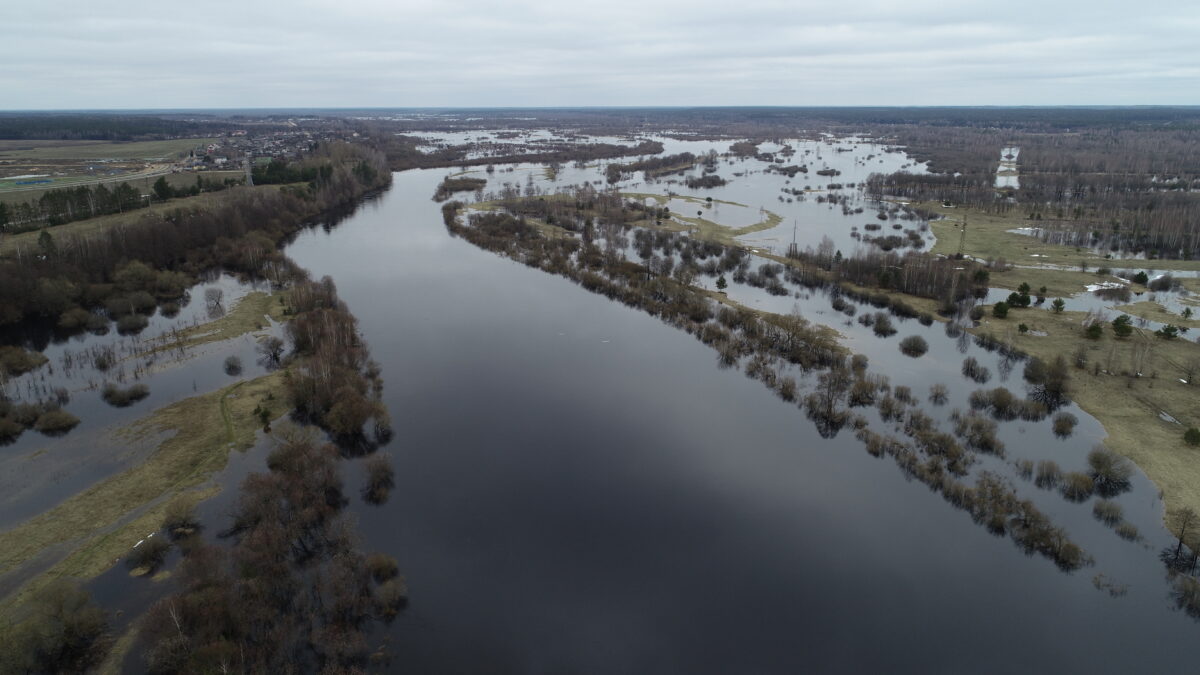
580,487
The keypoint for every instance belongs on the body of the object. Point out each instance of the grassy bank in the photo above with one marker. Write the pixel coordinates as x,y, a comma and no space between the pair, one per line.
989,235
103,522
249,315
1129,407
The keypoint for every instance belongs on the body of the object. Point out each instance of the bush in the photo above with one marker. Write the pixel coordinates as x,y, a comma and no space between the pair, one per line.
9,430
123,398
18,361
382,567
1077,486
1048,474
1064,424
390,597
1000,310
180,519
1192,436
914,346
148,555
1108,512
233,366
131,323
975,370
380,478
55,422
1128,531
1110,471
883,325
938,394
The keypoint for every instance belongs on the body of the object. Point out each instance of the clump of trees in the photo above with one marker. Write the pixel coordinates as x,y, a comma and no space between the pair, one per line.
291,594
452,184
63,632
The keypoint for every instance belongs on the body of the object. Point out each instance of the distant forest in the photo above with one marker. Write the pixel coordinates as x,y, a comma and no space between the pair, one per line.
98,127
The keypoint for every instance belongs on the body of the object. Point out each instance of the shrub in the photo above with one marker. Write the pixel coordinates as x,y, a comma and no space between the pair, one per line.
131,323
1107,511
914,346
1000,310
1077,486
1122,326
1093,331
1127,530
55,422
1064,424
904,395
18,361
233,366
122,398
148,555
382,567
180,518
390,597
975,370
1192,436
9,430
883,325
938,394
1110,471
1048,474
380,478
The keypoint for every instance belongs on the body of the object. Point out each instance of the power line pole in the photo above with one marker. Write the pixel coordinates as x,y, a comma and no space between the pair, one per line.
962,238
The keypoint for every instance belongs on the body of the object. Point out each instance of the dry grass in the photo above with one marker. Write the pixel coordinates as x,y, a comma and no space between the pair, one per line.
1154,311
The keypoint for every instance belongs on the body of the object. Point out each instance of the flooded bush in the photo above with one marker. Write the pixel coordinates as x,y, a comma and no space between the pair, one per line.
1077,486
938,394
18,361
862,393
976,371
233,366
131,323
1110,471
787,389
904,395
55,422
890,409
882,325
1064,424
390,597
979,433
1048,474
180,518
1025,469
148,555
9,430
1128,531
380,478
121,398
1107,511
382,567
914,346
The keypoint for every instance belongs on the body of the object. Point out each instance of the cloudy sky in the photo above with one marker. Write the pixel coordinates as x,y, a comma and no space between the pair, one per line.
351,53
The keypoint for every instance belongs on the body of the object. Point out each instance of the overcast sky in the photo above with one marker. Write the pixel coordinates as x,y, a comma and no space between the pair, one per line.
351,53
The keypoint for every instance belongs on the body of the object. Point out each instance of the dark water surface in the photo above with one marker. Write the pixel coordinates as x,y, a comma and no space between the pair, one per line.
580,489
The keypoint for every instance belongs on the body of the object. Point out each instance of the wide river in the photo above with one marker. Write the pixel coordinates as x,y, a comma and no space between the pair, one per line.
580,489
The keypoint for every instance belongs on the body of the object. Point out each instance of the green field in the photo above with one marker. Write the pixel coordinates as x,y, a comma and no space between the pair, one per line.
98,150
143,184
